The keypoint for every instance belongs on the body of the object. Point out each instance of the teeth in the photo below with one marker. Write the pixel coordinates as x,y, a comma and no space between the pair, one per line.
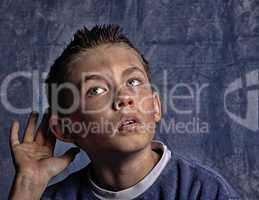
128,122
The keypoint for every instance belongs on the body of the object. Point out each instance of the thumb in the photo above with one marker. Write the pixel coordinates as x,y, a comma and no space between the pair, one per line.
61,162
69,155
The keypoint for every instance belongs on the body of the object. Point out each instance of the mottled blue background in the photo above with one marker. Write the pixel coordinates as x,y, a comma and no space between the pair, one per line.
213,42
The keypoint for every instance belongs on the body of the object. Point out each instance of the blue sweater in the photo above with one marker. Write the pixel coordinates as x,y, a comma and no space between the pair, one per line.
173,178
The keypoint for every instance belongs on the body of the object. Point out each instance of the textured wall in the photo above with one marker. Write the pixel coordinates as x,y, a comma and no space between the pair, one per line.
210,47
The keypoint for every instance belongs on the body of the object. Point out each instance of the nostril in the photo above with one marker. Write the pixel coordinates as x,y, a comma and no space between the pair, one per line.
130,102
126,102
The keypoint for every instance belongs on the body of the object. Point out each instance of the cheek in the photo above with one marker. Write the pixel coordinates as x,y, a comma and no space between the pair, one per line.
145,102
99,119
96,104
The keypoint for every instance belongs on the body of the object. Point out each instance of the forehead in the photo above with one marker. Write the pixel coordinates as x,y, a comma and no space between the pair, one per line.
109,59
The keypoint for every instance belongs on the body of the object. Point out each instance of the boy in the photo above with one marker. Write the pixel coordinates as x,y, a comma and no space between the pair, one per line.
114,86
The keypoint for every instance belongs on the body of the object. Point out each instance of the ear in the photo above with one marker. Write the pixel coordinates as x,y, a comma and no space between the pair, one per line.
55,127
157,106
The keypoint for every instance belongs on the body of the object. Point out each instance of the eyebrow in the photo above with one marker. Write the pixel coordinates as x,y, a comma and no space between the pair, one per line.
94,76
124,73
131,70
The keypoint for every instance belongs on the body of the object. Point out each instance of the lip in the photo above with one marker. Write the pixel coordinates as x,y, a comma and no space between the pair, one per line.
128,123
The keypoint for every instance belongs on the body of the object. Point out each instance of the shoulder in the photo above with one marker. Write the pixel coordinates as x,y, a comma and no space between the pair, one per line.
200,180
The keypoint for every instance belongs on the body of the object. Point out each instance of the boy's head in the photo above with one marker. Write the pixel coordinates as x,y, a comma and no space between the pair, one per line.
110,82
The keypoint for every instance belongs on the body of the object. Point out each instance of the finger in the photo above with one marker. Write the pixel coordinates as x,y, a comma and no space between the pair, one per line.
44,136
41,133
69,156
51,140
38,155
61,162
31,124
14,133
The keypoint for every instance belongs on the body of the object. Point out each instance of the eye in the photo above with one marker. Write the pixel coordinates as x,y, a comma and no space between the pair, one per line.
134,82
95,91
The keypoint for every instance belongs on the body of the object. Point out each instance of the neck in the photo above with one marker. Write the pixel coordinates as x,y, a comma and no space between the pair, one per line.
123,171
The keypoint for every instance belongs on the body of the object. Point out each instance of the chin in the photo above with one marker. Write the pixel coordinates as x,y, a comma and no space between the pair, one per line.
129,143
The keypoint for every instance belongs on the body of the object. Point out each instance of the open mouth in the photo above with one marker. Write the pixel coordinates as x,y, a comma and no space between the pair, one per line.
129,123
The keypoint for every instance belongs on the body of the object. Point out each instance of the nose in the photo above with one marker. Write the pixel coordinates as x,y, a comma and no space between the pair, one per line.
123,101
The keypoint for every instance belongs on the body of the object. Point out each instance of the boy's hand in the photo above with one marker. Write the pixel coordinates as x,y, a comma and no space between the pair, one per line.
33,158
